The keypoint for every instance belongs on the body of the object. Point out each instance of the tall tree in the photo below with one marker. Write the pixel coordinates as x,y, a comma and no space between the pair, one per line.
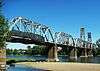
4,28
3,35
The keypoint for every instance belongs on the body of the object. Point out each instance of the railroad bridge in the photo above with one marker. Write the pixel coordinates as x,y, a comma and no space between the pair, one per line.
26,31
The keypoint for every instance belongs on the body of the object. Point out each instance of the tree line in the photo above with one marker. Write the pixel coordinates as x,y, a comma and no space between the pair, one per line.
35,50
41,50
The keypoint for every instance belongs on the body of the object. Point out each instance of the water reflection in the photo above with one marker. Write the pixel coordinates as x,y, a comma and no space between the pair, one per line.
61,58
19,67
84,59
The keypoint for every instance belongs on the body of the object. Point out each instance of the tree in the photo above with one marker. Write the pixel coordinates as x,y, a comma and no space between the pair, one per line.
4,28
98,43
9,51
29,50
15,52
4,31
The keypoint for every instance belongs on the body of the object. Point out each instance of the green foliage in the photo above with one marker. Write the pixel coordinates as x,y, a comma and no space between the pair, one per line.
9,51
4,31
10,61
98,49
98,43
36,50
3,27
29,50
98,52
15,52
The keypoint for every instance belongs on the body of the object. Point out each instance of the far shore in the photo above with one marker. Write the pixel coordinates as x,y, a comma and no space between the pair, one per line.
63,66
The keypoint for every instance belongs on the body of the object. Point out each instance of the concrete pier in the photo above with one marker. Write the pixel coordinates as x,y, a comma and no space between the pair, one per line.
73,54
52,54
84,53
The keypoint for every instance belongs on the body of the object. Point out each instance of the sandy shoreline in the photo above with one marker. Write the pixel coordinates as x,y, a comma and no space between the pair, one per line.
58,66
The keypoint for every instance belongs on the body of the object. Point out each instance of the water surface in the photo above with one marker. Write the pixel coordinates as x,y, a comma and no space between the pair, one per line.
19,67
61,58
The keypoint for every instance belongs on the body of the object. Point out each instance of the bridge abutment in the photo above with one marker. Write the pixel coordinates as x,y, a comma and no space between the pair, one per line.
73,54
52,54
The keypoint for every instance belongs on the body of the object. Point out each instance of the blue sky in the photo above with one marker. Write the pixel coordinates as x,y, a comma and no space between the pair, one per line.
61,15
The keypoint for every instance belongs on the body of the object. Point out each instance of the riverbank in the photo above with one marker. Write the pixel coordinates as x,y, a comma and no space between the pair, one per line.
63,66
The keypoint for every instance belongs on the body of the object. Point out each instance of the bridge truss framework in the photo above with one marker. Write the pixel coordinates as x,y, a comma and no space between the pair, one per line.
42,33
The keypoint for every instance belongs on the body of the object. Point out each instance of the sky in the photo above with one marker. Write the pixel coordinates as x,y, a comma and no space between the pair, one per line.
61,15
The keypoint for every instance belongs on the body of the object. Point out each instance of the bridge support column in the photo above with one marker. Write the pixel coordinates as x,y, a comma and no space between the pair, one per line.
73,54
90,53
84,56
52,54
84,52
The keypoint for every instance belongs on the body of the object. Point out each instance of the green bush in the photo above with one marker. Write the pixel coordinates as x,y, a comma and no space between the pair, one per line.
10,62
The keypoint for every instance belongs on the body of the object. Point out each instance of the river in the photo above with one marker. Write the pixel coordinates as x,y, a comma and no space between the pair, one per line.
19,67
61,58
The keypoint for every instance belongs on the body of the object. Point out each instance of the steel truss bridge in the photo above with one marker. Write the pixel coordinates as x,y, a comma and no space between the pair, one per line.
27,31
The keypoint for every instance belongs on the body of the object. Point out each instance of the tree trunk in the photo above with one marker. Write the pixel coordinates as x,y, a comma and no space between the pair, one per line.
2,58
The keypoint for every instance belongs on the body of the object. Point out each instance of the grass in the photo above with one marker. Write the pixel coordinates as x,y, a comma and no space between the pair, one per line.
20,60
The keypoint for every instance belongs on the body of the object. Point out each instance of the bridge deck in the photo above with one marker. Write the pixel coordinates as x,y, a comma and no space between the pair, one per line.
30,38
15,39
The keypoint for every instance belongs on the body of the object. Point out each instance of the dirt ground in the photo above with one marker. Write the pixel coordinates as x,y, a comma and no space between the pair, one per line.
63,66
